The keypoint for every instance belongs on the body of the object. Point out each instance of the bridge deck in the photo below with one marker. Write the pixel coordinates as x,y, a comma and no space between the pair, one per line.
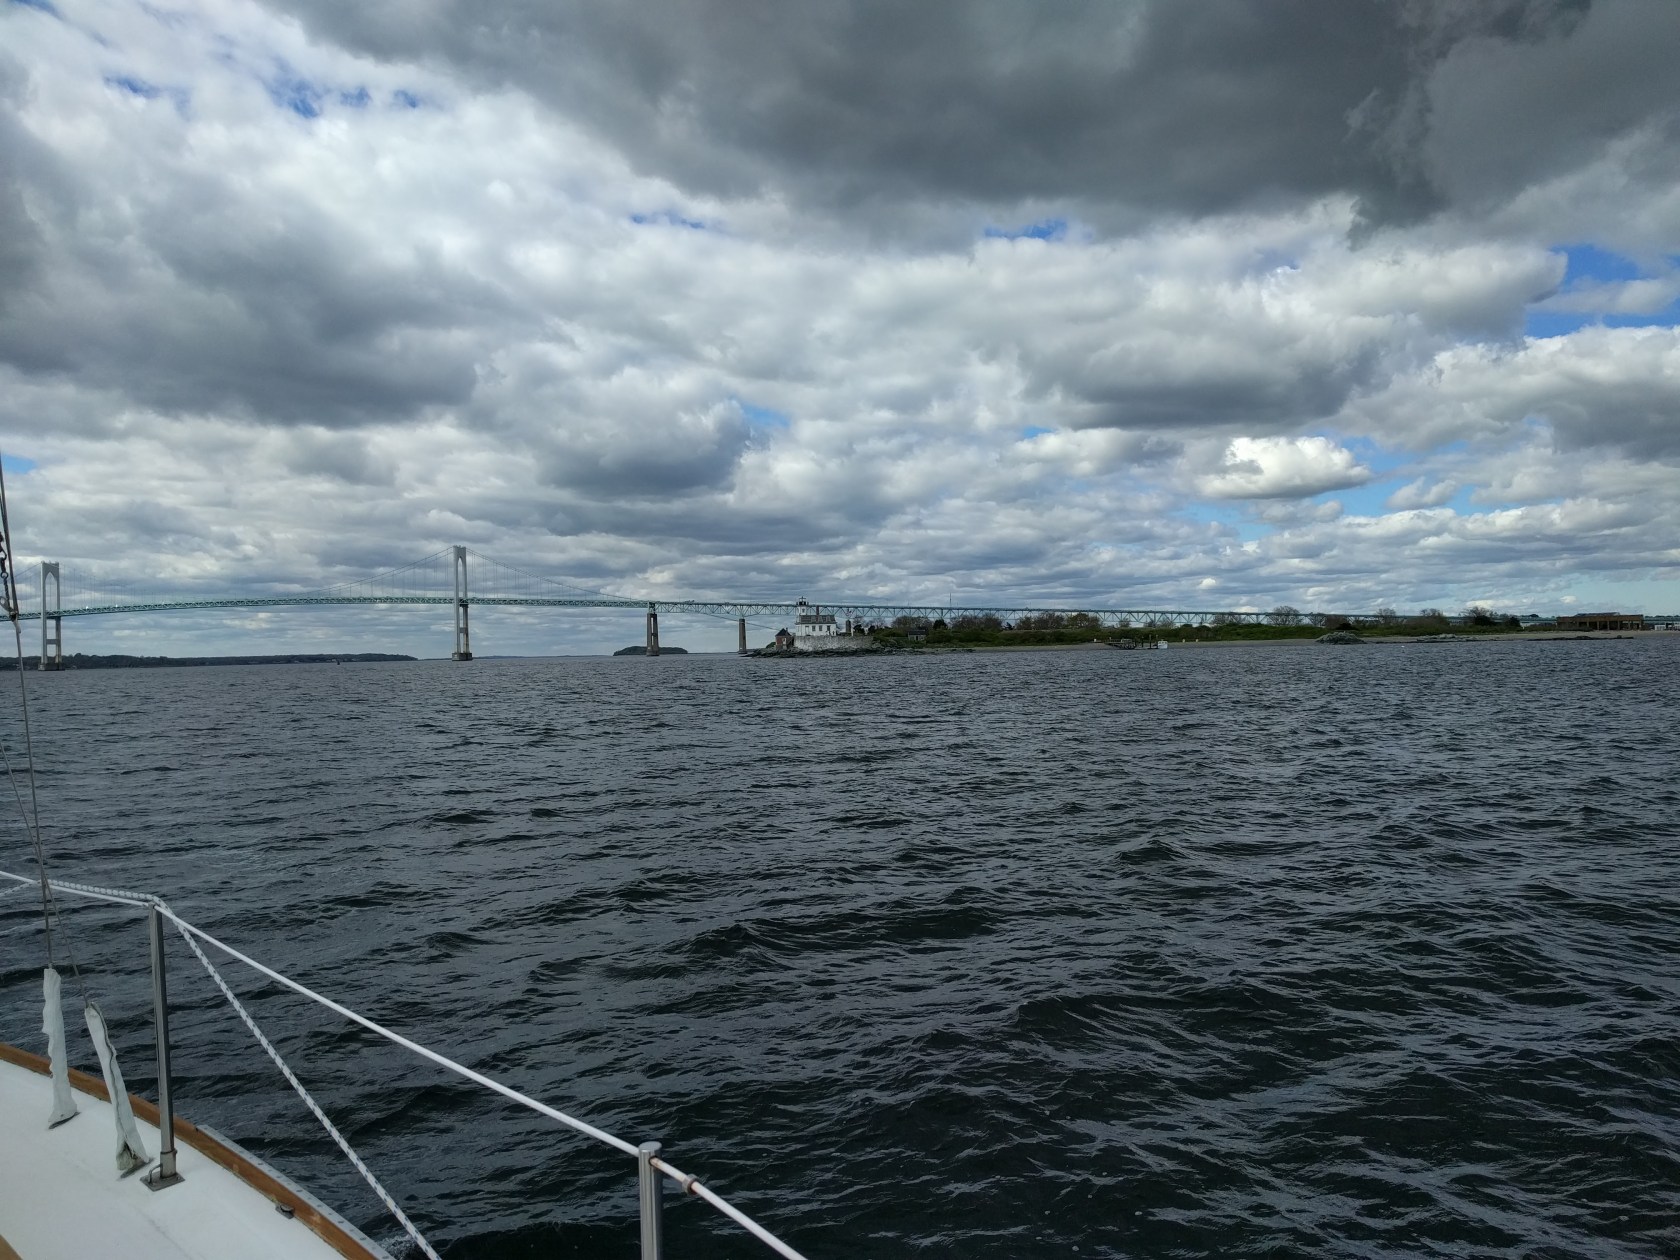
711,608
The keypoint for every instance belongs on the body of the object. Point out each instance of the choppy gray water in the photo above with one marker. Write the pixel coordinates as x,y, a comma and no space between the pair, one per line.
1265,951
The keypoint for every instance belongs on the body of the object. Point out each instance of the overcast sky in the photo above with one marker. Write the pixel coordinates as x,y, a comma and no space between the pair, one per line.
1213,305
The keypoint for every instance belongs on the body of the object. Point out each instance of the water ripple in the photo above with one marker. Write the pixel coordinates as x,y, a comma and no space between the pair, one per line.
1249,952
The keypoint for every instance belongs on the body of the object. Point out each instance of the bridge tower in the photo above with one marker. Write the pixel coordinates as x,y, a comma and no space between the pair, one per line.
653,631
463,639
52,618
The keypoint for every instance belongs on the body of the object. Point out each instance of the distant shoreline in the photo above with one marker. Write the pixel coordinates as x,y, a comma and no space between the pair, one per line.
88,661
1529,636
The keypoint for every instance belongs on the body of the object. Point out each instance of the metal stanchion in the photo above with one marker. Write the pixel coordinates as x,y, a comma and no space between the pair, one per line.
164,1174
651,1182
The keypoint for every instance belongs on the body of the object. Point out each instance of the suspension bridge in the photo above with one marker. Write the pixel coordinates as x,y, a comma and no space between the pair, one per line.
459,577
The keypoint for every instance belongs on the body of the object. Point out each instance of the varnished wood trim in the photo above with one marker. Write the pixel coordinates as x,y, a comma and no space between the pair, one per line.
6,1252
236,1162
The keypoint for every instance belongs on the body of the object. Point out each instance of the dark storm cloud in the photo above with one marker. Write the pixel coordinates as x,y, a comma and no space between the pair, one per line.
1257,401
207,304
657,459
342,456
1506,113
25,167
1113,108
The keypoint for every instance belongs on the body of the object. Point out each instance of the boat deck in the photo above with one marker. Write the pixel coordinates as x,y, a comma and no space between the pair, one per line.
62,1199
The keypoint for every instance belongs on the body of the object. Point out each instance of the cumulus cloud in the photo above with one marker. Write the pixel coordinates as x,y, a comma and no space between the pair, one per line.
1598,388
1282,468
1422,493
1048,304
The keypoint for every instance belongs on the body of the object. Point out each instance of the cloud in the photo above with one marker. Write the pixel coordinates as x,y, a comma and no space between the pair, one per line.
866,113
1421,493
1646,296
1282,468
345,457
1614,389
1502,117
1087,307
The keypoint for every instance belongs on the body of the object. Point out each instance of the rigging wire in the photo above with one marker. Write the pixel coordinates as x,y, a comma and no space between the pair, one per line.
343,1144
31,815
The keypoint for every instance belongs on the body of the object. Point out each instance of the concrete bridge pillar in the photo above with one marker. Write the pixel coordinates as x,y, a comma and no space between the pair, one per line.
52,620
652,631
463,636
741,636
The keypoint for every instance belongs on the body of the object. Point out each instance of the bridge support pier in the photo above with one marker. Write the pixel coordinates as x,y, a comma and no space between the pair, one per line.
463,637
652,631
52,620
741,636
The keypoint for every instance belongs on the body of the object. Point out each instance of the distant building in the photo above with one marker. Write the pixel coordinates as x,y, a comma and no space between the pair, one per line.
1602,621
784,640
814,630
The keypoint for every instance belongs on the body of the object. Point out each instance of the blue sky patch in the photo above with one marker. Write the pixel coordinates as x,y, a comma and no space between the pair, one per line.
1555,323
1589,262
1043,230
45,6
1588,267
359,99
405,98
1035,430
135,87
296,93
17,464
667,218
762,417
1370,499
1378,458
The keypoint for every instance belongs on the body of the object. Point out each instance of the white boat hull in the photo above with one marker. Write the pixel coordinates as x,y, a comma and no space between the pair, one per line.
62,1199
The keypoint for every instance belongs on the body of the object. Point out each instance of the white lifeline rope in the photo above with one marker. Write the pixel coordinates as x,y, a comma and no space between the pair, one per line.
7,892
689,1184
332,1130
120,895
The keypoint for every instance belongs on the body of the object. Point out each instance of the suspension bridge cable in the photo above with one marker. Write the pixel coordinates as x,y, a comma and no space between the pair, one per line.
594,593
379,577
